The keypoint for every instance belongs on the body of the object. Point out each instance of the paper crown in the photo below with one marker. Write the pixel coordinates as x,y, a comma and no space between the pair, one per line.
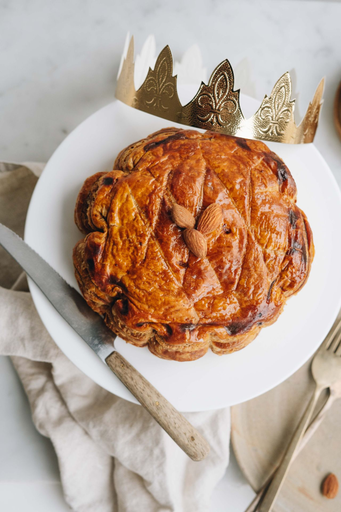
216,105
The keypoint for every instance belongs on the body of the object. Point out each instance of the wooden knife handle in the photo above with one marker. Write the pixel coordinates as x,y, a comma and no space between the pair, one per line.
179,429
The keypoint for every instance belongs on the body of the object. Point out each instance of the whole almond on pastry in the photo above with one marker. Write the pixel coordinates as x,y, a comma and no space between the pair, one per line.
196,242
210,219
330,486
182,217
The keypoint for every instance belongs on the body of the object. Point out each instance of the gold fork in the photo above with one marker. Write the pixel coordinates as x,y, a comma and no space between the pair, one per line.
326,371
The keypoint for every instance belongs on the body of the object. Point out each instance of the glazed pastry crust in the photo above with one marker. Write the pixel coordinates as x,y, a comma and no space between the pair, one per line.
134,268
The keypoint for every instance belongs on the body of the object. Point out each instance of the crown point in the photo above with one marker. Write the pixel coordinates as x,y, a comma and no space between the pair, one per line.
216,106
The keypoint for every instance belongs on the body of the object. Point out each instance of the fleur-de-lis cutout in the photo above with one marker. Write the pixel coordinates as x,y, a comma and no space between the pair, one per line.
158,92
220,105
216,105
276,111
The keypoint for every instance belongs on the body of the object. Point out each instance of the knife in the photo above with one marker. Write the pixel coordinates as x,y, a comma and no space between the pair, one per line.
91,327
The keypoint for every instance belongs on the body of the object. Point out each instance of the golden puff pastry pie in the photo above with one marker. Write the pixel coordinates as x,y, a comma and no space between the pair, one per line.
193,241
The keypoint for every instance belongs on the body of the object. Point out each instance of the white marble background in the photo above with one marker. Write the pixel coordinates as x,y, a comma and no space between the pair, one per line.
58,64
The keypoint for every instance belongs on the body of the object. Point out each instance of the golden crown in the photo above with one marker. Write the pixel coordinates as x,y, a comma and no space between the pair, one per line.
216,105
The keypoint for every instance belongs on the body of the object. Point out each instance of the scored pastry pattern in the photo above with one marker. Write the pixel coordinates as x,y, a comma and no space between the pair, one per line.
134,267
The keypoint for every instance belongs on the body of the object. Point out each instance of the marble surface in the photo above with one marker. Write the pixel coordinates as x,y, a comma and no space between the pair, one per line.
59,61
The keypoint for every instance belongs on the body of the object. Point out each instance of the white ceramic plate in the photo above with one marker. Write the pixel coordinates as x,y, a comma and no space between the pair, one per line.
211,382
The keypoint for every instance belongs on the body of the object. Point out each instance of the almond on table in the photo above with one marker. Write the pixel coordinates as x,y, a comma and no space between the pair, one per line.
330,486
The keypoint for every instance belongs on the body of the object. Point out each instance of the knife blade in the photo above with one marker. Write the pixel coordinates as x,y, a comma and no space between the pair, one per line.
92,329
65,299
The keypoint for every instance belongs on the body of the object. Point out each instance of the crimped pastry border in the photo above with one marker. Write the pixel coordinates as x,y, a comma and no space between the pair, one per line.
89,218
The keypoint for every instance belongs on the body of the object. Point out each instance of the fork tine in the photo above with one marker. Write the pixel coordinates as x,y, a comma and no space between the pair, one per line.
335,343
338,350
336,338
330,336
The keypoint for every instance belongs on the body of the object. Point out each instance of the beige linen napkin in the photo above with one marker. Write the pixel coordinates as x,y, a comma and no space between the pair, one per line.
113,457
